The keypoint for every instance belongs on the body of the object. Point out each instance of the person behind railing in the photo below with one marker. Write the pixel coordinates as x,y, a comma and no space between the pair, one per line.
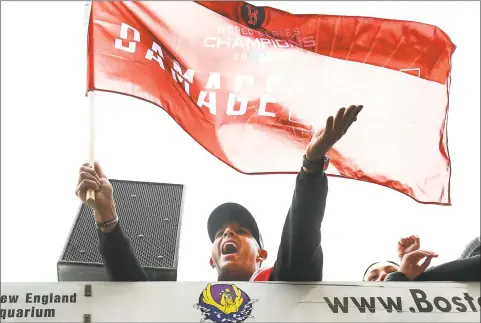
237,250
378,270
465,269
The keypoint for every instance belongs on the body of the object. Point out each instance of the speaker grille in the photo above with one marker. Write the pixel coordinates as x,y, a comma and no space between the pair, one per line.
150,215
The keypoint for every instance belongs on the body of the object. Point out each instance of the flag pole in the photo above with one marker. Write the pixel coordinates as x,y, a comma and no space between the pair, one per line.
90,198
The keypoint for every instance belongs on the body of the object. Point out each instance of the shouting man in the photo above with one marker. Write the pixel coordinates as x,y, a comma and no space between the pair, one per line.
237,249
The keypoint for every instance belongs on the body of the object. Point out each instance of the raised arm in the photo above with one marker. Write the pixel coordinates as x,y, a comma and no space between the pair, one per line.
119,259
300,256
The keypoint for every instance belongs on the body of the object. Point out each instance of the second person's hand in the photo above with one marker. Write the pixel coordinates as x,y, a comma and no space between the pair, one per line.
410,263
407,245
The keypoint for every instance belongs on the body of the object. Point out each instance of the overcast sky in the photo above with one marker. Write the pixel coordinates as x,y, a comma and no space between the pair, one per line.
44,141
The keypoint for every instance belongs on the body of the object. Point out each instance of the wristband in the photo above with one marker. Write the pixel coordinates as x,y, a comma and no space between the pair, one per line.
315,166
107,223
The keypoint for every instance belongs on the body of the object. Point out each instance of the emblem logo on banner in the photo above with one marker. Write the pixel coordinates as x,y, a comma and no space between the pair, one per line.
253,16
224,303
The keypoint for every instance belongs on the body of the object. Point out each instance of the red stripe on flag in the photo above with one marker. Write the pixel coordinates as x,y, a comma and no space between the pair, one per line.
415,48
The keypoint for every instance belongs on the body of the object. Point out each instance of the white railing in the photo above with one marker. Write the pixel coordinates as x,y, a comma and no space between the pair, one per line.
239,302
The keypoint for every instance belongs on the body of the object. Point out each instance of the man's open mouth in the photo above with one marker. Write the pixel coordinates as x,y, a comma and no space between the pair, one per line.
229,248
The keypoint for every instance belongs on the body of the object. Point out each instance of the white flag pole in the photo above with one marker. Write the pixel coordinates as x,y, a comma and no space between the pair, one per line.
90,199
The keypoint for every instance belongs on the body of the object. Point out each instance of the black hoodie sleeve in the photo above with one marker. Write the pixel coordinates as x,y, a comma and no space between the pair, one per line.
461,270
119,259
396,277
300,255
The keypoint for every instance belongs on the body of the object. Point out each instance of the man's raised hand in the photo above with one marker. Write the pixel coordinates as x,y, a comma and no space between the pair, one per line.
95,179
335,128
407,245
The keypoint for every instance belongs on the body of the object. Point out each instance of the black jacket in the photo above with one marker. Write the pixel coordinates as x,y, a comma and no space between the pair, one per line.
463,270
299,257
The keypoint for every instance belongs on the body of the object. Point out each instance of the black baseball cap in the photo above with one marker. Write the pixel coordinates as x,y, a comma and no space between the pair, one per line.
232,212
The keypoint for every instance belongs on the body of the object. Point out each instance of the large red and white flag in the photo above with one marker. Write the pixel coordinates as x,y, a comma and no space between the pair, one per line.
251,85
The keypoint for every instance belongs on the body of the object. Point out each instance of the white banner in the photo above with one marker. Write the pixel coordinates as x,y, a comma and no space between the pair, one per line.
239,302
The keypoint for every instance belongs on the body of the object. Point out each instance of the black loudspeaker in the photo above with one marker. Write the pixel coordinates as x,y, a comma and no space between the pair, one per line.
150,214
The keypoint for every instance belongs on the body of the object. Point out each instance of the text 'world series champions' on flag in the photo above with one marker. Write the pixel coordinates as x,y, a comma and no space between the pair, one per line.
252,84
